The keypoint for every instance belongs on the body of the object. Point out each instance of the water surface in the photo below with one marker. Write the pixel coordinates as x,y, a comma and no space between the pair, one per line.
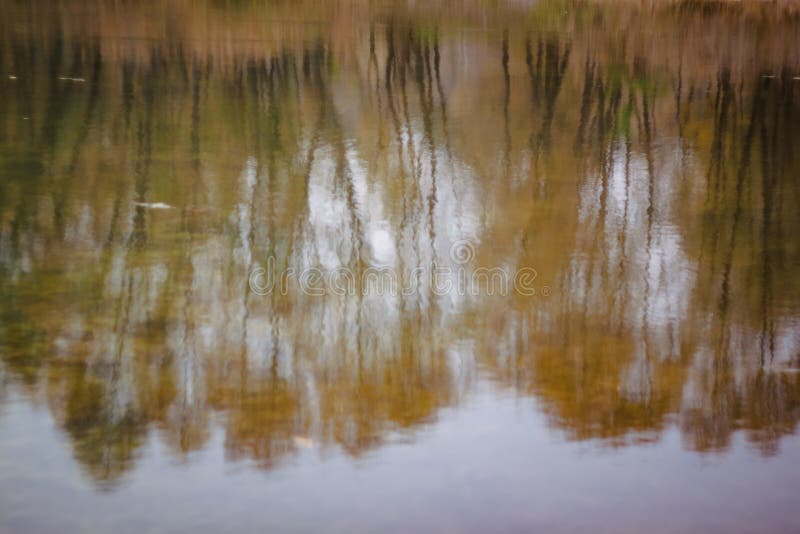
637,163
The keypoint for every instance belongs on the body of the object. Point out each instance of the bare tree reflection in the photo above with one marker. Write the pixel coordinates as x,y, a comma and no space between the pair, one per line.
141,201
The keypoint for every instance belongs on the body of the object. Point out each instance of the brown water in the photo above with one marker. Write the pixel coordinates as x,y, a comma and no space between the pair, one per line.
588,212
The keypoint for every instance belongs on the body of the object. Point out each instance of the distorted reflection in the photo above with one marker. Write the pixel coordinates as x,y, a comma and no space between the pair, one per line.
145,179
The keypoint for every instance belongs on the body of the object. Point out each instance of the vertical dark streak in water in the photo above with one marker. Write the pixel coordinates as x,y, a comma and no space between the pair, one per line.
83,133
440,91
426,108
597,236
531,144
57,104
535,75
442,105
767,185
374,69
391,60
390,65
506,98
555,64
56,97
742,175
194,135
253,74
342,174
554,76
373,60
186,266
427,111
604,154
426,54
314,76
606,147
138,236
788,156
127,106
683,144
128,69
405,59
650,210
716,168
414,175
598,123
274,149
678,95
623,257
23,60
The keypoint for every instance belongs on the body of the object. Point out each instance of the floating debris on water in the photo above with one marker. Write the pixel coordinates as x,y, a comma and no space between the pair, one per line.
153,205
70,79
12,77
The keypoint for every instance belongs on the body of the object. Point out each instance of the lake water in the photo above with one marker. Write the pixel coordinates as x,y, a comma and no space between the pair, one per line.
351,266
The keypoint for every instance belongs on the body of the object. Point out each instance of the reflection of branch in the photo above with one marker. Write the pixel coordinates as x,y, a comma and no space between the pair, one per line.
744,169
768,178
506,98
426,104
83,133
716,173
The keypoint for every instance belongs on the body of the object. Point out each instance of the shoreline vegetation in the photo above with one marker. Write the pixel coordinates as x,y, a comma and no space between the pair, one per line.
740,33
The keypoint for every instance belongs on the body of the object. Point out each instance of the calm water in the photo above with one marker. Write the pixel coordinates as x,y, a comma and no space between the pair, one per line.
568,236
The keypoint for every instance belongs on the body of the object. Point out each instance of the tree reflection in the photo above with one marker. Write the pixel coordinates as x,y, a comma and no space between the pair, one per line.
654,199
